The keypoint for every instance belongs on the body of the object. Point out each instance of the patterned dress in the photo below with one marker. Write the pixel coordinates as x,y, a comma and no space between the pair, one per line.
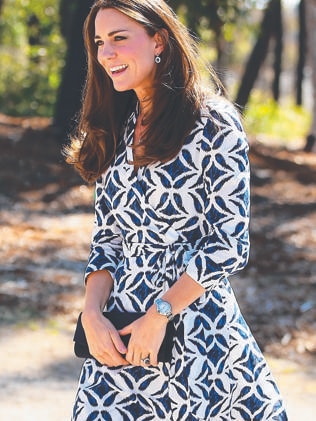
189,214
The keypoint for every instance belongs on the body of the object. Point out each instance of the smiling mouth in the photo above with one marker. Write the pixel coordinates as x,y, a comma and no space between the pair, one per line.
118,69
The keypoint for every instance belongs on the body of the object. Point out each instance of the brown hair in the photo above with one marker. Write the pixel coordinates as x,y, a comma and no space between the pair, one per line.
176,102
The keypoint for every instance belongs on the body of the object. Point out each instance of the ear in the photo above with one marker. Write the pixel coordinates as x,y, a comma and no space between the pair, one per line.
161,39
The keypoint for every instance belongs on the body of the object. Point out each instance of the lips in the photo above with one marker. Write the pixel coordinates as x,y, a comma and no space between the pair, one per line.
118,69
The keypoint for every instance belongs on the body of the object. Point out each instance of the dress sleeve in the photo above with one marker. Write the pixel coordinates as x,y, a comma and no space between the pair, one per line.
106,243
225,166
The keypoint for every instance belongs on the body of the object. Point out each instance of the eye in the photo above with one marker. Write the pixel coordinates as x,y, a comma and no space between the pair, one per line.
98,43
119,38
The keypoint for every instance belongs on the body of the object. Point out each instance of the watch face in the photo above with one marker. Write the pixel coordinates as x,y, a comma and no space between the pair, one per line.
164,307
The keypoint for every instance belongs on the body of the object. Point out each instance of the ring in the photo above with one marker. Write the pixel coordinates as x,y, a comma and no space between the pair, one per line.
145,360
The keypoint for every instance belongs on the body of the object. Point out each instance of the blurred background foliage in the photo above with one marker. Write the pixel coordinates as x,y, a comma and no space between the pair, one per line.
32,51
35,39
283,124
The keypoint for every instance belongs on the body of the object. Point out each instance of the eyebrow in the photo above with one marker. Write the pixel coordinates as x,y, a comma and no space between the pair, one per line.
110,34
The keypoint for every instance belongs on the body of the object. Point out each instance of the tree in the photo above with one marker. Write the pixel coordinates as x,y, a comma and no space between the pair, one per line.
311,42
70,90
214,15
278,50
270,27
301,53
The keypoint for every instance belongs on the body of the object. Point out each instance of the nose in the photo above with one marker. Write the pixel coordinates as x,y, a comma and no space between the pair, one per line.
105,53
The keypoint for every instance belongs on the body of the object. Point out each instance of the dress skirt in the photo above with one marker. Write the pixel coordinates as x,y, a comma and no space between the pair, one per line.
217,373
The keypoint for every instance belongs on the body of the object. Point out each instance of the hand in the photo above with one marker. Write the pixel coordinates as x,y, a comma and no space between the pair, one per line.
147,334
104,341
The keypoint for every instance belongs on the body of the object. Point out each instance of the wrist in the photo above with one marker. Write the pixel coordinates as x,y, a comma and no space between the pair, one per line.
164,308
91,313
158,318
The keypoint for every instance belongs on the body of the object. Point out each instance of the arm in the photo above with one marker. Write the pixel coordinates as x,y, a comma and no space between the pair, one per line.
147,333
226,181
106,244
225,250
103,339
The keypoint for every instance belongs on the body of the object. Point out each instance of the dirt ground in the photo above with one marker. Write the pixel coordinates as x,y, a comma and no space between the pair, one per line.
46,215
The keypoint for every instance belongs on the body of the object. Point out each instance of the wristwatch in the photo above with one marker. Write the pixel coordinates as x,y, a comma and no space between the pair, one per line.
164,308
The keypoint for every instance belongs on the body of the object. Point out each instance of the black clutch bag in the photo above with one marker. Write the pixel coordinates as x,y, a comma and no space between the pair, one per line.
120,320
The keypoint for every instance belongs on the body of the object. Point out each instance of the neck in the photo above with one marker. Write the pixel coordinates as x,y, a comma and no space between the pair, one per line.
144,105
141,122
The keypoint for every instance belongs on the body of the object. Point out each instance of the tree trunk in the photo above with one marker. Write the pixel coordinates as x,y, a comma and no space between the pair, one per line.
1,7
311,51
67,10
70,90
301,53
258,54
278,32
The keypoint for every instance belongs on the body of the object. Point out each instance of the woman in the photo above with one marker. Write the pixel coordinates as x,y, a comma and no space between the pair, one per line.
171,220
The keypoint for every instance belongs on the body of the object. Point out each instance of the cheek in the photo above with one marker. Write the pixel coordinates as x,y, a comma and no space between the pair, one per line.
100,61
147,61
99,57
150,66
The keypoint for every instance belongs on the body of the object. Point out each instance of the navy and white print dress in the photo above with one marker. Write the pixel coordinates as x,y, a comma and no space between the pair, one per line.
189,214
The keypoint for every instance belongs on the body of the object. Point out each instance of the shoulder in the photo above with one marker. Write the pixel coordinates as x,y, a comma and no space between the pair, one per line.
221,114
220,125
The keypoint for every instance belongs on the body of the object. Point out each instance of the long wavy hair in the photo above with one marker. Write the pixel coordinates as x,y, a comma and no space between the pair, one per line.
175,103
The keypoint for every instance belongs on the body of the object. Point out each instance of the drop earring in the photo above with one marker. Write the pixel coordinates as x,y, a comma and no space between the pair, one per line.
157,59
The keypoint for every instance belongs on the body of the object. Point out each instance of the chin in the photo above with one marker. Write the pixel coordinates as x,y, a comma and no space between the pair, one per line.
121,88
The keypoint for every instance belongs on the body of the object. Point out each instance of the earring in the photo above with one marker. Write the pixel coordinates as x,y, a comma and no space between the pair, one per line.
157,59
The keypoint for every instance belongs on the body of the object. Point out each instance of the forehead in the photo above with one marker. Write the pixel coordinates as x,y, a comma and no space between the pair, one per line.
109,20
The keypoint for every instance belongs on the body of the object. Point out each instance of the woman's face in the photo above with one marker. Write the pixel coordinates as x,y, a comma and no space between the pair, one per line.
126,51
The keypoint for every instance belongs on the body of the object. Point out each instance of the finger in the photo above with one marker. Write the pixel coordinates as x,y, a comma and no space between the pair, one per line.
111,360
119,362
153,359
145,360
118,343
129,356
137,358
107,353
117,359
134,356
139,355
112,363
127,330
